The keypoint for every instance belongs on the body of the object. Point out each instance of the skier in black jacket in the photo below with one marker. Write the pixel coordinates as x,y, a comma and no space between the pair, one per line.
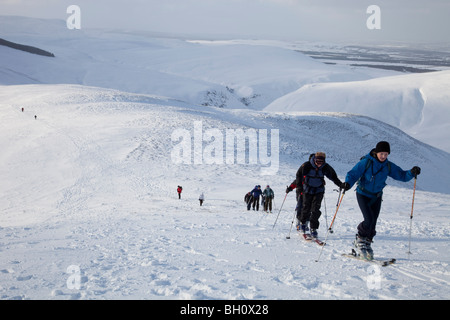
311,176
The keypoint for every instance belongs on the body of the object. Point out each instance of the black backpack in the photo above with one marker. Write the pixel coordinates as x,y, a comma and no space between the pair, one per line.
312,182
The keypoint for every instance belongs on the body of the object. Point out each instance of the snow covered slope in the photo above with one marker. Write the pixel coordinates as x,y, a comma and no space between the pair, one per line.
88,204
418,104
90,211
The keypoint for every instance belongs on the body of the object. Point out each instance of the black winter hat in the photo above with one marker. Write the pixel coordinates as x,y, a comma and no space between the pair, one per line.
383,146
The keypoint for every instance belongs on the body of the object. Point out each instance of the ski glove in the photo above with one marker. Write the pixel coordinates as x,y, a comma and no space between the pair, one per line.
345,186
288,189
415,171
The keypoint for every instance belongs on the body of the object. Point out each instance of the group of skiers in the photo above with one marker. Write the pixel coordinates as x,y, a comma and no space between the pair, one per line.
370,175
252,198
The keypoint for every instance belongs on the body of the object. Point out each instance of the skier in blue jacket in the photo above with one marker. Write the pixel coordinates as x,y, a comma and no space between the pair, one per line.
256,193
370,174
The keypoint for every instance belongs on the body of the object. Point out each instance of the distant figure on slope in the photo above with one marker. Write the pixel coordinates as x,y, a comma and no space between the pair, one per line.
248,199
311,175
179,189
268,197
201,198
256,193
371,173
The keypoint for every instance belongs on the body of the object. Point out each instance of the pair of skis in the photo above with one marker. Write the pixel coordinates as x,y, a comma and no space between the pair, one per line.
308,237
353,255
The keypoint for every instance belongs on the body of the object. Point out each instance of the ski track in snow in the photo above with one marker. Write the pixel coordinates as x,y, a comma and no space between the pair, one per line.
228,255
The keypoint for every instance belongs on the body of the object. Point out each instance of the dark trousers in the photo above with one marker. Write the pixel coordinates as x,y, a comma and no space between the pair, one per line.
370,208
255,203
268,204
249,202
311,209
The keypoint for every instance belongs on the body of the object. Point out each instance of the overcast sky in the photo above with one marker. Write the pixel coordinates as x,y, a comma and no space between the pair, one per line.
322,20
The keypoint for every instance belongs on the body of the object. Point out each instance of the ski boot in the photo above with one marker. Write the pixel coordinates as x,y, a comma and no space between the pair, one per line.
302,227
363,247
314,233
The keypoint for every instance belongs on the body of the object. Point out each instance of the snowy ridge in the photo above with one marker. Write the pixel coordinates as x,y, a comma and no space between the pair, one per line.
413,103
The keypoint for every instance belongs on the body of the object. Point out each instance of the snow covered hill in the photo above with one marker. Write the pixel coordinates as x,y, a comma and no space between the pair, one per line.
115,121
224,74
90,208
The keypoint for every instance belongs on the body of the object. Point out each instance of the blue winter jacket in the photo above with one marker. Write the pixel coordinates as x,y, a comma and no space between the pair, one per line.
256,192
372,178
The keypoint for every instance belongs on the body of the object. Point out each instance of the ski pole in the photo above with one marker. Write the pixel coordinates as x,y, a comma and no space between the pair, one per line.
337,203
331,225
325,205
279,211
274,205
292,223
337,208
296,211
412,210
